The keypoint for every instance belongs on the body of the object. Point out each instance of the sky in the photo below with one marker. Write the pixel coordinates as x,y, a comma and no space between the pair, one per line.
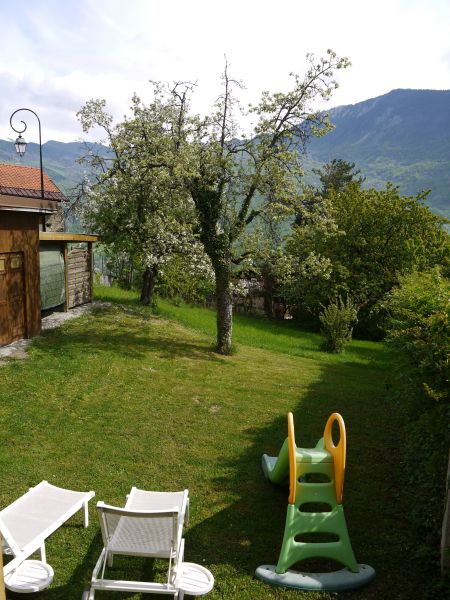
55,55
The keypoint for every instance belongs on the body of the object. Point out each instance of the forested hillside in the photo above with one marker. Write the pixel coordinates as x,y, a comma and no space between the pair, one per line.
402,137
59,160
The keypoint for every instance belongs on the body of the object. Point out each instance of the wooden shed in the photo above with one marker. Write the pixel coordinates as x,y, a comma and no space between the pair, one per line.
22,213
38,269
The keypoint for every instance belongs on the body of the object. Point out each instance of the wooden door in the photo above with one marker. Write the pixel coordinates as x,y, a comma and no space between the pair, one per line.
12,298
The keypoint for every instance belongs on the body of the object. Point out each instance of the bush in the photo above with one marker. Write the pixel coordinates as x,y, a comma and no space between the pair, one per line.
419,327
425,455
338,320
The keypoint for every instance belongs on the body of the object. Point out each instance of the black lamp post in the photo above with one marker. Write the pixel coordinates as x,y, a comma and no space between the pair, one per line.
21,144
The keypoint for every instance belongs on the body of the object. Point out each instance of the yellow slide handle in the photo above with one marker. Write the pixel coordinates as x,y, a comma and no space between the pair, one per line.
338,452
292,459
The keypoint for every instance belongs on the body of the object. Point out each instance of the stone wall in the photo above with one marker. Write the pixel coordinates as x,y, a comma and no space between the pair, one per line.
55,222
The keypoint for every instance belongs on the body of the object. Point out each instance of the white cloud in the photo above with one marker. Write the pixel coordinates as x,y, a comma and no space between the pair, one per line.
56,55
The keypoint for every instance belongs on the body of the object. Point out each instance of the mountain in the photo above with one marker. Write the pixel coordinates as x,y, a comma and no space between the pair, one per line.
59,160
402,137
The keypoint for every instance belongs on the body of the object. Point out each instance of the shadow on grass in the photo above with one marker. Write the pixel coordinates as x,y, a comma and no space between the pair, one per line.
304,343
80,577
250,531
258,331
131,568
277,336
133,341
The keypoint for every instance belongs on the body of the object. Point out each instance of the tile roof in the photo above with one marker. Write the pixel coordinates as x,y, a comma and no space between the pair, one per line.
18,180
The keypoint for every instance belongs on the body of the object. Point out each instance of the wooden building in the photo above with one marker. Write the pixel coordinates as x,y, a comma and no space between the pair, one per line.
22,213
23,216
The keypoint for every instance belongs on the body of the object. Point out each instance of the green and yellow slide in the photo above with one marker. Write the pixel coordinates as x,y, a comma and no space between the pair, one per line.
315,521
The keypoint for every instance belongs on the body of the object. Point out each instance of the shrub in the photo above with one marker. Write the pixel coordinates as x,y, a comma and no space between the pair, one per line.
338,320
419,327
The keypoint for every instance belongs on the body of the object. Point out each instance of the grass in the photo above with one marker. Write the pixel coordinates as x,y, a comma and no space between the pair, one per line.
259,332
126,398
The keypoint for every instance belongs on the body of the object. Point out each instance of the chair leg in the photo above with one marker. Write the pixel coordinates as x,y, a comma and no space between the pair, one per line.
110,559
86,515
88,594
43,553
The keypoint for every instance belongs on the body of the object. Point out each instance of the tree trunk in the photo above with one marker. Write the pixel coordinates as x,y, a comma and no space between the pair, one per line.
268,283
148,284
224,305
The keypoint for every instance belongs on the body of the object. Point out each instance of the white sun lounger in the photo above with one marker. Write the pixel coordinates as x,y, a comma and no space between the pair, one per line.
151,524
28,522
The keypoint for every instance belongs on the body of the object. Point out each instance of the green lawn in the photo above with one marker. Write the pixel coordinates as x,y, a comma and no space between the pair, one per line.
124,398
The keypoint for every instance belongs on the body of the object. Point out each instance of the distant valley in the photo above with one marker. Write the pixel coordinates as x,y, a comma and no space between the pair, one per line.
402,137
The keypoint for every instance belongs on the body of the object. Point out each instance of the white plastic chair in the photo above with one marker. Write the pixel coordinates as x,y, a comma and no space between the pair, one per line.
150,525
27,523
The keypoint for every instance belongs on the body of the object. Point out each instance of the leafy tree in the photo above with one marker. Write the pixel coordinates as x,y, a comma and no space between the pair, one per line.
334,176
186,278
207,164
237,180
337,175
137,208
358,243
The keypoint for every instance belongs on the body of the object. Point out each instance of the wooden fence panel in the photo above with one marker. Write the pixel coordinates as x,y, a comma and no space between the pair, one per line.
79,278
